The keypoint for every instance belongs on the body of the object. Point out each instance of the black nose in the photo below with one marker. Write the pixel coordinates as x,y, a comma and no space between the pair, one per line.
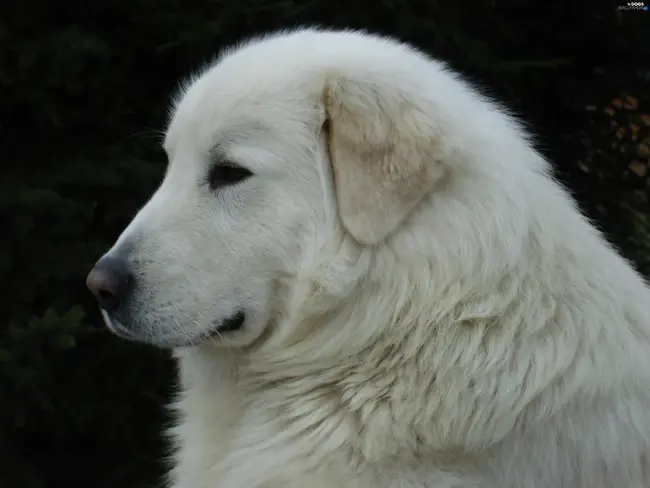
109,281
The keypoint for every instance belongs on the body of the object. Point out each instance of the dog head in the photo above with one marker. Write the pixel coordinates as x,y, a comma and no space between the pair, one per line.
293,152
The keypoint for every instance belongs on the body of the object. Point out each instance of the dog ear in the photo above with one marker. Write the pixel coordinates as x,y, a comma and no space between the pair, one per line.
385,156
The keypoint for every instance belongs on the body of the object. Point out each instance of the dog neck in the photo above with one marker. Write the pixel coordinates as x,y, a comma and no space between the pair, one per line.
397,356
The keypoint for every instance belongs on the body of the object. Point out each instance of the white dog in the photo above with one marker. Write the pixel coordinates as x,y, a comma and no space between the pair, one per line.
371,280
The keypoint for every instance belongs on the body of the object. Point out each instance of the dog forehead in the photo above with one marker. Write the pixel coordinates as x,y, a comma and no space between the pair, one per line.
276,79
258,85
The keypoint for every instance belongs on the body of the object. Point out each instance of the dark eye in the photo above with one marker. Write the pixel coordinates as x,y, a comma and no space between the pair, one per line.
226,174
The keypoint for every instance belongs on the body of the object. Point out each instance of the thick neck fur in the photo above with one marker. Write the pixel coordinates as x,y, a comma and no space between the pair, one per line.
447,329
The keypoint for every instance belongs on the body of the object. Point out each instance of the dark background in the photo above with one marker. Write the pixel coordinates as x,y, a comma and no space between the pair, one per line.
84,88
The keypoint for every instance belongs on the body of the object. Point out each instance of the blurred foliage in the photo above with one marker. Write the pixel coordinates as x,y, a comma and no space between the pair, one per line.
85,88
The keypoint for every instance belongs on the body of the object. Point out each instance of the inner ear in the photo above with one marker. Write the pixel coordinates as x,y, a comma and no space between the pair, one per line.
385,157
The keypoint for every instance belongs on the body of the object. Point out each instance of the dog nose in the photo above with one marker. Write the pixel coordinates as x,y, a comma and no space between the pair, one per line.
109,281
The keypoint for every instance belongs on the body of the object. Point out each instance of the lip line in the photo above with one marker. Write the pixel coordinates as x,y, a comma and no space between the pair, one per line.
233,323
117,328
216,332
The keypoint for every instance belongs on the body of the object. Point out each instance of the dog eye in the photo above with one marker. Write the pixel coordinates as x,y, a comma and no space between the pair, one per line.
226,174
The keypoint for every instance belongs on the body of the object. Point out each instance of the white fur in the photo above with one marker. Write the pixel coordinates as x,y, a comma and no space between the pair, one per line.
487,336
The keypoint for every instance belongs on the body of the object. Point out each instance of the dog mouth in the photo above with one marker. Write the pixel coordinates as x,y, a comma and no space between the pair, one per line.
218,331
231,324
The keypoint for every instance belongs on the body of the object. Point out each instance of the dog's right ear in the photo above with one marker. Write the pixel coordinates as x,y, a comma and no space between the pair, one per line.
384,152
